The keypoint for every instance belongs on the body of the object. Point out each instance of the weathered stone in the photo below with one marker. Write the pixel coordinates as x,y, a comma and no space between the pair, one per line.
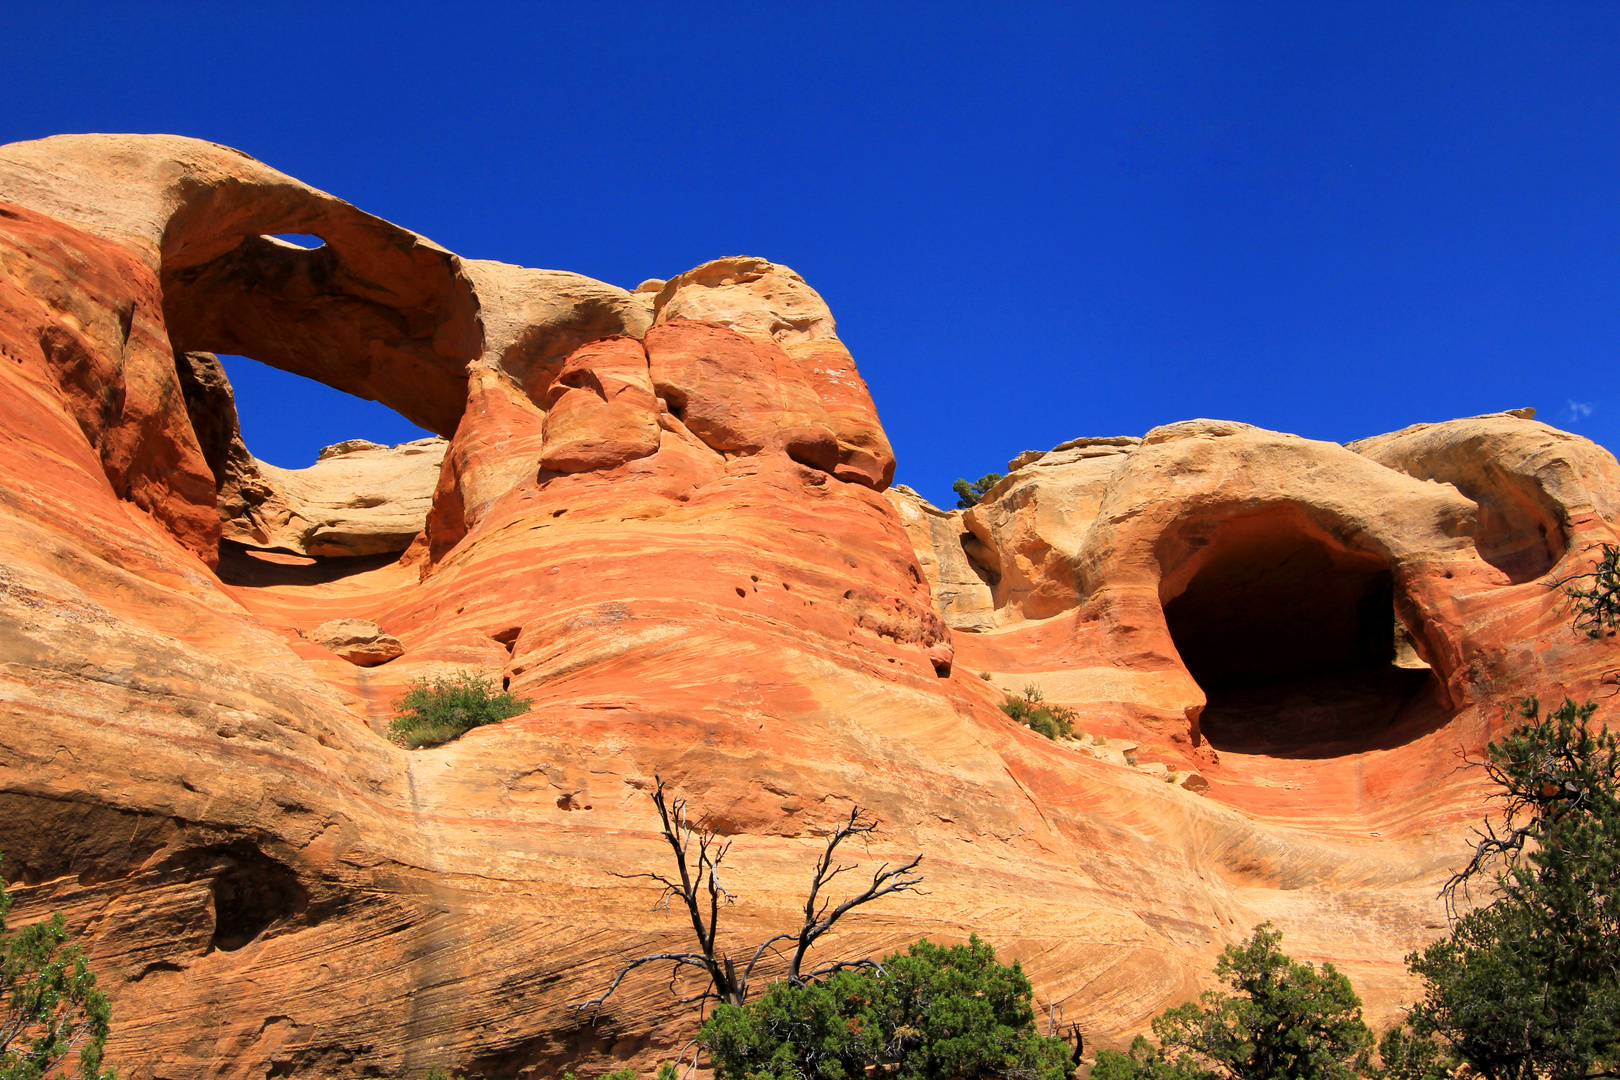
359,498
359,641
773,305
1539,489
600,411
961,586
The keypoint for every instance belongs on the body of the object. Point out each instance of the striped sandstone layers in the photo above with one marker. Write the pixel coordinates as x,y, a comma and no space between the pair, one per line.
662,517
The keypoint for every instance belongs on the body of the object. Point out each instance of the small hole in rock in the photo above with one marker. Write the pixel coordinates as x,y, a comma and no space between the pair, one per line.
741,591
559,513
849,594
753,577
307,241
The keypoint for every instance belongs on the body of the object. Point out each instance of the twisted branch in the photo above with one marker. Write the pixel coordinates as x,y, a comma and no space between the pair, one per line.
698,854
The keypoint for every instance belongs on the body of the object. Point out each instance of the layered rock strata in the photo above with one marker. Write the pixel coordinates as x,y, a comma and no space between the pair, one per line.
661,516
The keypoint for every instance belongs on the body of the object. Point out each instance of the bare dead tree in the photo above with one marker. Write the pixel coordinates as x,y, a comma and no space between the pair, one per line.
699,854
1054,1021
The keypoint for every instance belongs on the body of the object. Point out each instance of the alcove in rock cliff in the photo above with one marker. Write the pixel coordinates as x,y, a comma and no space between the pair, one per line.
1296,644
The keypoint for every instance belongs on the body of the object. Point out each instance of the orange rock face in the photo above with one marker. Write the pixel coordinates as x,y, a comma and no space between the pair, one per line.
661,517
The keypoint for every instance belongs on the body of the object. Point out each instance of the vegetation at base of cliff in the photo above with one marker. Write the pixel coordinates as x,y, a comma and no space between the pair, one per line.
1282,1019
929,1013
666,1071
969,493
434,711
1053,721
1525,987
49,1004
1529,984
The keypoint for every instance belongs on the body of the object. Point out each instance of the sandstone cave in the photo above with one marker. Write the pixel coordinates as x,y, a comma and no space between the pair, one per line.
1297,646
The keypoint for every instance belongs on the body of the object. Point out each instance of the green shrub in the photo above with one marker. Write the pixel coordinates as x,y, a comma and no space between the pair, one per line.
930,1013
1529,984
1597,606
968,494
49,1004
1285,1021
1053,721
1404,1055
434,711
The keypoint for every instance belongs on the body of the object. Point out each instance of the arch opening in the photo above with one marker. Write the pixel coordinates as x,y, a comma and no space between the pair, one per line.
1297,645
348,499
287,419
355,303
303,241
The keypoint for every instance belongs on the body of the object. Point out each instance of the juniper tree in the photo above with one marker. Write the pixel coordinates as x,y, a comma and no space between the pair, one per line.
49,1004
1284,1020
930,1013
969,493
1528,985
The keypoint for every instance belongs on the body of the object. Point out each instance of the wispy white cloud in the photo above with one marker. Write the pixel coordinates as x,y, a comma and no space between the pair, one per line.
1578,410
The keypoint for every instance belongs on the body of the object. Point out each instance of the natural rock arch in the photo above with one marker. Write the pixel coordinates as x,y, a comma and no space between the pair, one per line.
376,311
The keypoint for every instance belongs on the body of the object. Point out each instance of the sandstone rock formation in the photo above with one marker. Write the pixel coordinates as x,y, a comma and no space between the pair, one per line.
359,641
359,498
960,585
661,517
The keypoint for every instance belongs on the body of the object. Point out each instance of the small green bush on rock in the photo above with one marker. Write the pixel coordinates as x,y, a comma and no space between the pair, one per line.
49,1004
1284,1020
434,711
1053,721
968,493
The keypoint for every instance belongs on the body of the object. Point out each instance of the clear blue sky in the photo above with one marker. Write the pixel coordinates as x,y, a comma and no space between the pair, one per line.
1031,222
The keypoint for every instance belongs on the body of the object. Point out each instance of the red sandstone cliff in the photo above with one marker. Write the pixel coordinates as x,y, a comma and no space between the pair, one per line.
661,515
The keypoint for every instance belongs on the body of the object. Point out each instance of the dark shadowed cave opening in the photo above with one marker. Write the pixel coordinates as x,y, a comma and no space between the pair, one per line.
251,892
1297,645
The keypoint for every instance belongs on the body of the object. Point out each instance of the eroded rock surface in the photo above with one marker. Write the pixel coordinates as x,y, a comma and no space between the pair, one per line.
661,517
961,585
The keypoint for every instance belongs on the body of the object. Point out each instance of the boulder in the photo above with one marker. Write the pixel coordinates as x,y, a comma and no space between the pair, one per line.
359,641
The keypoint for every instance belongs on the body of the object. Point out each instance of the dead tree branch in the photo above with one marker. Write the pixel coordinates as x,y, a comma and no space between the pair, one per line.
818,919
698,854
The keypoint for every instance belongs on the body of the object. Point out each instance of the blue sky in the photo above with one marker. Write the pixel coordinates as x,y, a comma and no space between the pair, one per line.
1031,222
